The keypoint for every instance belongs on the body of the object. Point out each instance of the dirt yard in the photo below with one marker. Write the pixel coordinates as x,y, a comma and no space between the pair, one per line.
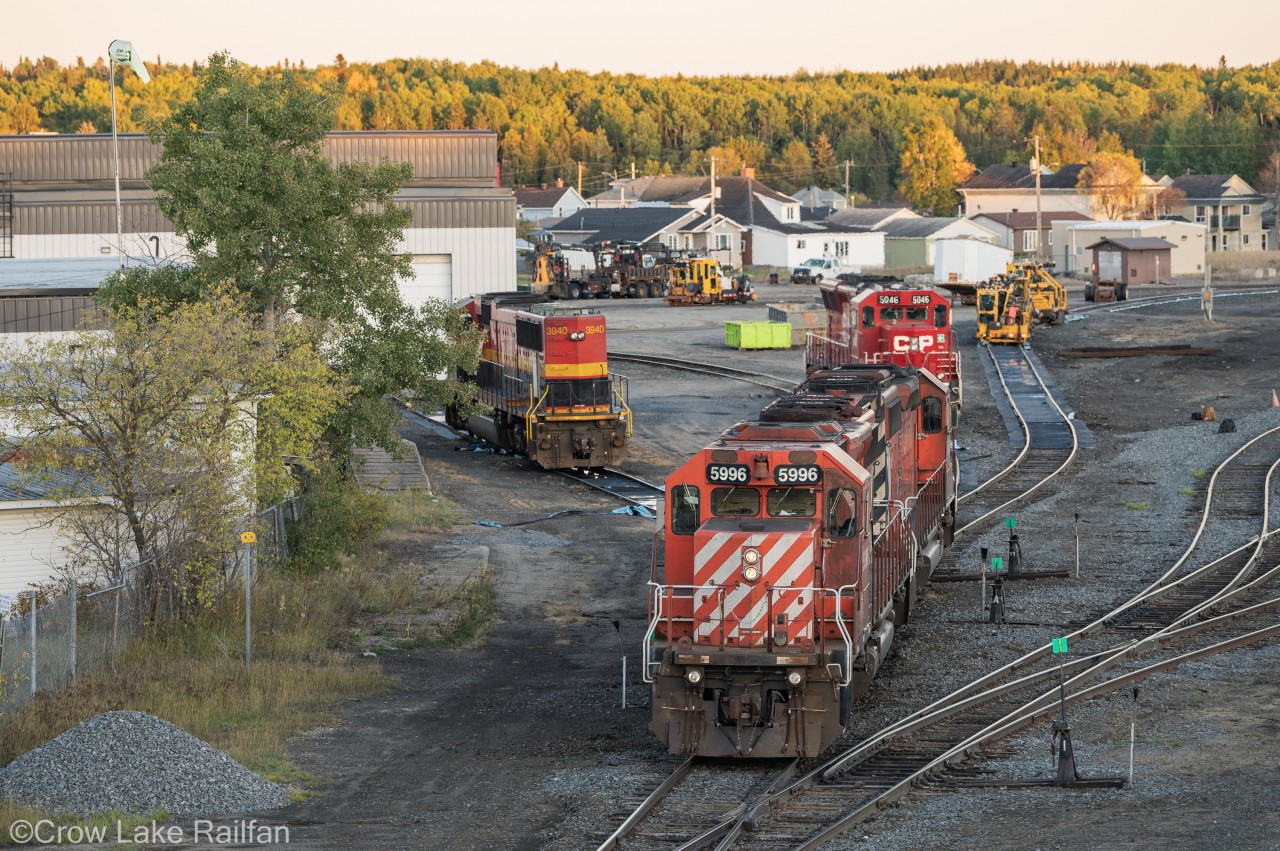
521,743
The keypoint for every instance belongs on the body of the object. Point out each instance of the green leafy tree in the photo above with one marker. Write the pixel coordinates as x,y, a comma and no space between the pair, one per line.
793,168
158,439
244,178
933,163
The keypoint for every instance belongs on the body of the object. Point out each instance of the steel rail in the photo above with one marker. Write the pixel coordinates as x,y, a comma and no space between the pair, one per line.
772,382
1026,429
647,805
1160,300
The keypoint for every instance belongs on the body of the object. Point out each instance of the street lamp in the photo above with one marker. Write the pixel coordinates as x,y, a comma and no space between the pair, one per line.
122,52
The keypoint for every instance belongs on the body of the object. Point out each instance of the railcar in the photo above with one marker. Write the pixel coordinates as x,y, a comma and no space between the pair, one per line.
543,386
792,549
882,320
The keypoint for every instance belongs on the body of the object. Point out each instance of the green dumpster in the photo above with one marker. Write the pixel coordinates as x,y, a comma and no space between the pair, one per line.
757,335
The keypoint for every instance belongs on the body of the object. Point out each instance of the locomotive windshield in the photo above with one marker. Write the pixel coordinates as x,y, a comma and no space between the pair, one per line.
735,502
791,502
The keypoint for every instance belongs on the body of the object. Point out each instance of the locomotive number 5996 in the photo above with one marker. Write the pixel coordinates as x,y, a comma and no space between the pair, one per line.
797,474
728,474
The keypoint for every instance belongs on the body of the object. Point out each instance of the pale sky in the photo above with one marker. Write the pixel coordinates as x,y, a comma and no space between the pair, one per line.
655,37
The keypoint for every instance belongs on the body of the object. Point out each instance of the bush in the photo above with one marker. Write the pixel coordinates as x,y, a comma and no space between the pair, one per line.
337,517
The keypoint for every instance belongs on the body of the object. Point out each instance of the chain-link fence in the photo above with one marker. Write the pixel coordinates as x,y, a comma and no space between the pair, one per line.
48,645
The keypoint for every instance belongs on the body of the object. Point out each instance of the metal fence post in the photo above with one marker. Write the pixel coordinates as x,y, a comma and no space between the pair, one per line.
74,625
33,645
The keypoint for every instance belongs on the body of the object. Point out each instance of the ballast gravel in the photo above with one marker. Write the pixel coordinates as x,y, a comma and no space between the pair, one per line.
135,763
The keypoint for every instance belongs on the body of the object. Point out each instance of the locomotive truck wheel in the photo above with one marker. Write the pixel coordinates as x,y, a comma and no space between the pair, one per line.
575,291
518,442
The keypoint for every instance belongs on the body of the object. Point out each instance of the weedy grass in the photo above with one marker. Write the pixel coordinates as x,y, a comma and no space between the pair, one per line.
1137,506
108,825
1188,491
1199,474
194,675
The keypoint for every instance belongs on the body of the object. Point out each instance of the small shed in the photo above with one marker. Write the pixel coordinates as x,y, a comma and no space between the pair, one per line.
1137,260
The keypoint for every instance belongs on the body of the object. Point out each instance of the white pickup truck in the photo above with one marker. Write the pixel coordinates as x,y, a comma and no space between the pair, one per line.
815,269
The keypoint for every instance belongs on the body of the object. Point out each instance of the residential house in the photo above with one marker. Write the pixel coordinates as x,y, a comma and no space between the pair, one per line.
678,228
872,217
1229,207
545,204
910,241
1012,189
815,198
62,203
1071,240
1017,231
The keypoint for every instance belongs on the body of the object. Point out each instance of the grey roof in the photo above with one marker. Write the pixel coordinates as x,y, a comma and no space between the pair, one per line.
58,275
438,157
1027,221
1019,176
540,198
16,486
634,224
867,217
916,228
815,214
1201,186
1136,243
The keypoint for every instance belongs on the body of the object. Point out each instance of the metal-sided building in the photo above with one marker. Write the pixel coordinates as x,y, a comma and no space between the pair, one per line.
57,194
1138,260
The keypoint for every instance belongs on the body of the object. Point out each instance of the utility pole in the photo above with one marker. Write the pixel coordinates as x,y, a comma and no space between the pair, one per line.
847,163
713,189
633,169
579,178
1039,232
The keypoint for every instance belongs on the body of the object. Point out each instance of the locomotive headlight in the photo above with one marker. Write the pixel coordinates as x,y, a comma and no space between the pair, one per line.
751,564
578,335
794,679
693,676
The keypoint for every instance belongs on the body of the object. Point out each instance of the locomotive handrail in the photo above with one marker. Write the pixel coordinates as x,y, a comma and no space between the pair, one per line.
618,383
533,411
661,591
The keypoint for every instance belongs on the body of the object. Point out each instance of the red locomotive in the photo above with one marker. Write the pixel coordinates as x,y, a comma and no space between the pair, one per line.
876,319
793,548
543,384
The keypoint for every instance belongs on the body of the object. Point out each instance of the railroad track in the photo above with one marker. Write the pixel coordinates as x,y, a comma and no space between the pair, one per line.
927,746
624,486
1163,299
1050,444
772,382
944,743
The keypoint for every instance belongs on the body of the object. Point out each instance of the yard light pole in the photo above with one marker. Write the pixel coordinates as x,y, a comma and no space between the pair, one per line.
122,52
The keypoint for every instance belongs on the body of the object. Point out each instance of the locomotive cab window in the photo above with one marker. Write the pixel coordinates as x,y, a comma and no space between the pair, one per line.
868,317
931,415
791,502
842,513
890,314
735,502
686,501
940,316
917,314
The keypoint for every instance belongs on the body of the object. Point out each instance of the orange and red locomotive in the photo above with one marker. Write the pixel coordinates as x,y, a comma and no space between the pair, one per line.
792,550
882,320
543,386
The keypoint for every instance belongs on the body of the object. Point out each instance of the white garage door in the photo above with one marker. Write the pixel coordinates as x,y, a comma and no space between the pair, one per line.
432,278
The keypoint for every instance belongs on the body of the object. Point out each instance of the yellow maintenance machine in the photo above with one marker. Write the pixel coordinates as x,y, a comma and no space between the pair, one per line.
1048,297
697,280
1004,311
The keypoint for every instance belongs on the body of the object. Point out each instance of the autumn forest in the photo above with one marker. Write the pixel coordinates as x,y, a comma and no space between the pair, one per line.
794,130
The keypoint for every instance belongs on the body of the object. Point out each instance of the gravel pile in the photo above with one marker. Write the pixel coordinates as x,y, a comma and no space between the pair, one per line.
136,763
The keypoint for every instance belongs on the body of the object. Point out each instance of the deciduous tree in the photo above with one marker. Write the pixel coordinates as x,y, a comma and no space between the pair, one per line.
933,163
1114,184
159,438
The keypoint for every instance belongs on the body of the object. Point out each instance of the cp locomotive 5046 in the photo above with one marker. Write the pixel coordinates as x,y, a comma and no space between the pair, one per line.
881,320
793,548
543,383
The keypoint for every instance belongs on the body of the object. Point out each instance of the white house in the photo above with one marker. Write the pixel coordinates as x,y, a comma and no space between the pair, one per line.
788,246
540,205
